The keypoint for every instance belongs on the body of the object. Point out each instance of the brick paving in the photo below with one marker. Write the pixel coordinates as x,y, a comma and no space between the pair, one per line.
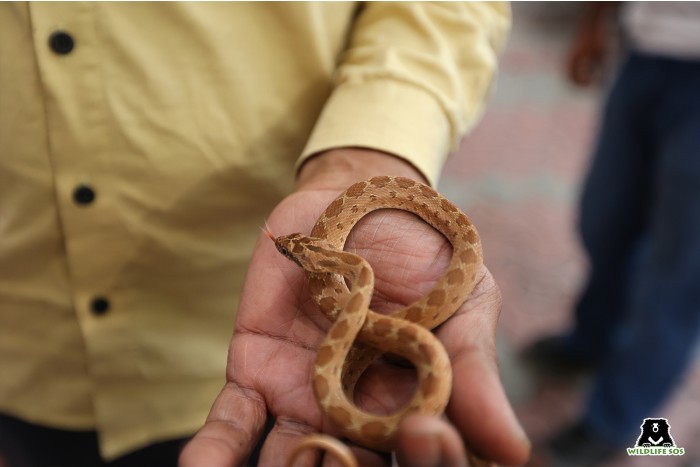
518,177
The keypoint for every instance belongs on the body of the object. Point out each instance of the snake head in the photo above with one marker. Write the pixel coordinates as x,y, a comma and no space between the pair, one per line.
286,244
309,253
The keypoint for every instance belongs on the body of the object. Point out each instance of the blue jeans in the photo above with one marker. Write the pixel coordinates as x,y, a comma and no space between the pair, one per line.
639,314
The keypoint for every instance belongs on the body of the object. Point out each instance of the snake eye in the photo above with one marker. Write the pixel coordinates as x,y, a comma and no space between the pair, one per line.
288,254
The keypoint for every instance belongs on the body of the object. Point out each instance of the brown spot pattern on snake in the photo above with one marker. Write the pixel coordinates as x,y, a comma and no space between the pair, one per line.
354,304
373,430
335,208
327,304
462,220
339,415
455,276
405,182
325,354
315,287
447,206
320,230
414,313
407,334
380,182
356,190
351,259
364,278
382,327
467,256
428,351
429,385
472,236
321,387
436,297
427,191
340,329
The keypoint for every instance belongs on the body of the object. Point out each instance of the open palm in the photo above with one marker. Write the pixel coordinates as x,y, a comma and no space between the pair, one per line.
279,329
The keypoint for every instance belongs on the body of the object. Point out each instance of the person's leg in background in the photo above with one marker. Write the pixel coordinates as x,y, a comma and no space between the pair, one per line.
665,295
615,208
636,217
613,215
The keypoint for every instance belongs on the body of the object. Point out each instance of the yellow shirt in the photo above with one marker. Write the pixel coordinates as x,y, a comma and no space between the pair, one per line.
142,145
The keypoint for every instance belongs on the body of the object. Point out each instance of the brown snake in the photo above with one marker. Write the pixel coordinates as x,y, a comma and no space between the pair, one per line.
359,335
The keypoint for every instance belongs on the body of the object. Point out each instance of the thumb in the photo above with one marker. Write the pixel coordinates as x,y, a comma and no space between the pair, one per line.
234,424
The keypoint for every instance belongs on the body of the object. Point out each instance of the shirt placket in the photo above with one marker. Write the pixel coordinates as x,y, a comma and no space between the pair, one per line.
69,53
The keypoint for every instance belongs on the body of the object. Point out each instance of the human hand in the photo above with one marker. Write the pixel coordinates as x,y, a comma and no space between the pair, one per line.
279,328
585,61
587,56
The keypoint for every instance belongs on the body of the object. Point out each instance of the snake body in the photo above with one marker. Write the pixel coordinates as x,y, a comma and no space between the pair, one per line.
358,335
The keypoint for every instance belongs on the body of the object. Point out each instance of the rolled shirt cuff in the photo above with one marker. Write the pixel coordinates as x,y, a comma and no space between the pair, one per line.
384,115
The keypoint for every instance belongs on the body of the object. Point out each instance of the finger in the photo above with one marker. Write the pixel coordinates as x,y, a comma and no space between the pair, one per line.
363,458
234,423
479,407
482,412
282,442
425,441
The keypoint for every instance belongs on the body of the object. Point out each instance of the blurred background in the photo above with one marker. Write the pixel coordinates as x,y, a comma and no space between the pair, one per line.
518,176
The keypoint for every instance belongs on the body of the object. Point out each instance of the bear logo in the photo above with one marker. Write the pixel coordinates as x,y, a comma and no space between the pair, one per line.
655,432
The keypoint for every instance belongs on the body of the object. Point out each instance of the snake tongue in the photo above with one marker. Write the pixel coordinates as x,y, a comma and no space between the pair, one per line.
267,231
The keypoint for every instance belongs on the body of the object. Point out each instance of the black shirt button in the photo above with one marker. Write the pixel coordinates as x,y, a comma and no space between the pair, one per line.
84,195
61,42
99,306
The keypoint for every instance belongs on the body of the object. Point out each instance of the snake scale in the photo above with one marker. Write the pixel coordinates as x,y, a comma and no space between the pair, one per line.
359,335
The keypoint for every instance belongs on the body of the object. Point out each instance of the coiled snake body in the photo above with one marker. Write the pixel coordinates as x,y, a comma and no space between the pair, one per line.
358,335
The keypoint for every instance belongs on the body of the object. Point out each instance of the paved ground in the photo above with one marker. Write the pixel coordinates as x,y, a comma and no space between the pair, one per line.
518,177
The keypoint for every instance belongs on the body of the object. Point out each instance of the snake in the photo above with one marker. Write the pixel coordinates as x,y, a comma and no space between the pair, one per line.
358,335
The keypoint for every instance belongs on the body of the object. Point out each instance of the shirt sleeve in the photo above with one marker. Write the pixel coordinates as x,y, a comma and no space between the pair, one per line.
413,80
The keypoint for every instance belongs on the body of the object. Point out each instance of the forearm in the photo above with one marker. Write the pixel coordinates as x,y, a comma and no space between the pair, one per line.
339,168
414,78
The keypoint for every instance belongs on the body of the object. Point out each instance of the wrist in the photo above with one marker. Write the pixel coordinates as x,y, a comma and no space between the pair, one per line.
339,168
